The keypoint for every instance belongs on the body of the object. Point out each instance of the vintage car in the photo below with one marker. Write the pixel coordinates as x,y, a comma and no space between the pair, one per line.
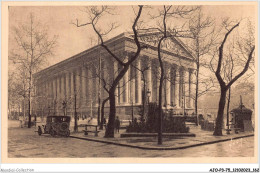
56,125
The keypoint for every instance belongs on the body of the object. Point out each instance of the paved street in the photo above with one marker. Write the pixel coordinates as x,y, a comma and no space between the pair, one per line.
24,142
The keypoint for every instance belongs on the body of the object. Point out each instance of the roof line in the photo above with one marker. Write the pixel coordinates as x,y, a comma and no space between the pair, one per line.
122,35
81,53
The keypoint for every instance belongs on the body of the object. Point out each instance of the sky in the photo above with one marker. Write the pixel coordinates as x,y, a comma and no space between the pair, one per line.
73,40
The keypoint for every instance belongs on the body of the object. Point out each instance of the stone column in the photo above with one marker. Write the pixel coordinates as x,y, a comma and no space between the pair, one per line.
182,88
132,84
115,74
89,86
52,88
62,91
48,89
58,88
72,85
149,77
67,86
96,88
126,86
163,93
168,86
55,88
103,74
177,87
55,95
158,82
45,94
172,87
84,85
138,83
78,86
37,89
120,88
191,88
186,88
154,81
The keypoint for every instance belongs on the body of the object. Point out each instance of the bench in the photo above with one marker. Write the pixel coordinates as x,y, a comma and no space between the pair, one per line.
236,130
95,131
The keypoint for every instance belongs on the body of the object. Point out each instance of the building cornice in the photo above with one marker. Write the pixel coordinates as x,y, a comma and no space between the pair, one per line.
121,38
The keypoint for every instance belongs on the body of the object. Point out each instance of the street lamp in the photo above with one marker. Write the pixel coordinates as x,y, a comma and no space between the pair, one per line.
148,95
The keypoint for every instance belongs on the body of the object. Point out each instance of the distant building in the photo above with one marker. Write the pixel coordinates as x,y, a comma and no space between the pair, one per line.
76,79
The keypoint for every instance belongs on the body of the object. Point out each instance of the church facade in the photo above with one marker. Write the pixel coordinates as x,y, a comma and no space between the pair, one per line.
80,83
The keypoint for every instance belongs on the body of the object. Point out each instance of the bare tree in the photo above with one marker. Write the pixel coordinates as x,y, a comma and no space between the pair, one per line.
201,30
168,12
95,13
104,81
15,91
228,68
249,47
33,47
142,70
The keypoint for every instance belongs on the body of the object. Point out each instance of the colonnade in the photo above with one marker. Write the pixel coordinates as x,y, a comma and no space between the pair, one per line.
80,86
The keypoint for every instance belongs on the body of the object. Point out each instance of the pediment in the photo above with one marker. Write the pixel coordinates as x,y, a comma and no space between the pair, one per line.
171,44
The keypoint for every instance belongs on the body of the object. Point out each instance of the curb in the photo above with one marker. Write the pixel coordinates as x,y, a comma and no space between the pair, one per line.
125,135
160,148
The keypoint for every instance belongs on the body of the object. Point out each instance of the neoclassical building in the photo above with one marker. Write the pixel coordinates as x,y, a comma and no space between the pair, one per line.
79,81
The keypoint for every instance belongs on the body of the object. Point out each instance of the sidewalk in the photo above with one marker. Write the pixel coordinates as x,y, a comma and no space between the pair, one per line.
150,143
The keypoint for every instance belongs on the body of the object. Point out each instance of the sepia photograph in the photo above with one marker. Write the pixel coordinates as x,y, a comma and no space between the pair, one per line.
130,81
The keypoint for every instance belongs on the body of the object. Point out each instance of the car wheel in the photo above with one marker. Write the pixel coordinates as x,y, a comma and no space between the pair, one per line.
39,131
64,126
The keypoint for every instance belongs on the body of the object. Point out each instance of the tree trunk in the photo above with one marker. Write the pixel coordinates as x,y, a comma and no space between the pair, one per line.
112,113
103,113
160,94
196,95
221,107
24,108
228,103
29,115
160,112
29,101
112,110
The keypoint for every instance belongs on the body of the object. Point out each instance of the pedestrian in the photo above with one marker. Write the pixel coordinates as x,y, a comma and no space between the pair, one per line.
117,124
